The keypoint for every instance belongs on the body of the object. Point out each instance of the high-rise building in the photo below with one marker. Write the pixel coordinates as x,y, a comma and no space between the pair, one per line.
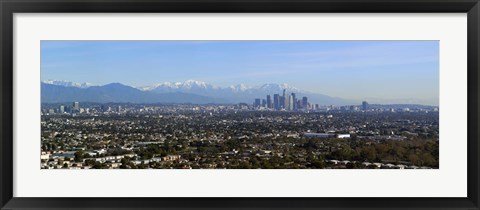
299,104
62,109
364,105
285,99
269,102
294,102
76,106
257,102
290,102
264,103
282,103
305,102
276,101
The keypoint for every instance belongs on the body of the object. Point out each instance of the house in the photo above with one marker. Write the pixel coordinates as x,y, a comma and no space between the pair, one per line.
45,156
116,165
334,161
343,136
171,157
388,165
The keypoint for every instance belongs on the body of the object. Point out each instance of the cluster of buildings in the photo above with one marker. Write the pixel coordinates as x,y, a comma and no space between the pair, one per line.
75,108
64,109
374,165
279,103
285,101
326,135
290,102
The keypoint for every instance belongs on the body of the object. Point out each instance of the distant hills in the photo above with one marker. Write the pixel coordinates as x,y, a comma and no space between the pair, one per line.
118,93
190,91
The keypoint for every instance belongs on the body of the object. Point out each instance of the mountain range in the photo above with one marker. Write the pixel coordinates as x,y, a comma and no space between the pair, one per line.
68,84
190,91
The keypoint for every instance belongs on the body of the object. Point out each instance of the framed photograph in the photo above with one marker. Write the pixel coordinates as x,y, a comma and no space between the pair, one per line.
239,104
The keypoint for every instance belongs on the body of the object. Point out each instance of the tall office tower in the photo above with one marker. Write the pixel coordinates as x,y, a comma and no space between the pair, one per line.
76,106
364,105
276,101
264,103
286,102
62,109
294,103
305,102
269,102
290,102
257,102
299,104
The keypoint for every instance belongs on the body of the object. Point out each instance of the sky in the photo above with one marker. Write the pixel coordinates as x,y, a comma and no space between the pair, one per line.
396,71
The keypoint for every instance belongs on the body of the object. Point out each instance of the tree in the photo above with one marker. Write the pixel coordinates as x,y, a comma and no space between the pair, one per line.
413,158
78,156
90,162
368,153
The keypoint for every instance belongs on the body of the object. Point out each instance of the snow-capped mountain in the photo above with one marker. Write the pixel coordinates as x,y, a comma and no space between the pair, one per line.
194,85
239,88
67,83
238,93
278,87
179,86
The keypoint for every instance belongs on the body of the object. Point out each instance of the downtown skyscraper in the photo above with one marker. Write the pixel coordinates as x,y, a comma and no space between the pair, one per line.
269,102
276,101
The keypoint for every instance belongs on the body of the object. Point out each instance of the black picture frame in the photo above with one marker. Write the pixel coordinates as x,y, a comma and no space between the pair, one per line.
9,7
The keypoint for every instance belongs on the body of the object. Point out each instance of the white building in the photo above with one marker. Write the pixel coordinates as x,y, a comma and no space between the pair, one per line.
343,136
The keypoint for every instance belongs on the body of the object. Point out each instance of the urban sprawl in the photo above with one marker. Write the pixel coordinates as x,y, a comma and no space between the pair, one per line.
279,132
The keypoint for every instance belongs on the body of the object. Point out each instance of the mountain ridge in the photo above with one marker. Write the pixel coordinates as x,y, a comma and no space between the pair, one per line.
117,93
192,91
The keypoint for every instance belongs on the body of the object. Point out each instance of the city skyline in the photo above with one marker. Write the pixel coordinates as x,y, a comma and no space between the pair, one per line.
355,69
198,88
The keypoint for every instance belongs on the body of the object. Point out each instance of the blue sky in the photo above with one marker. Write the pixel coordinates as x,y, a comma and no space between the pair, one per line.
377,70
